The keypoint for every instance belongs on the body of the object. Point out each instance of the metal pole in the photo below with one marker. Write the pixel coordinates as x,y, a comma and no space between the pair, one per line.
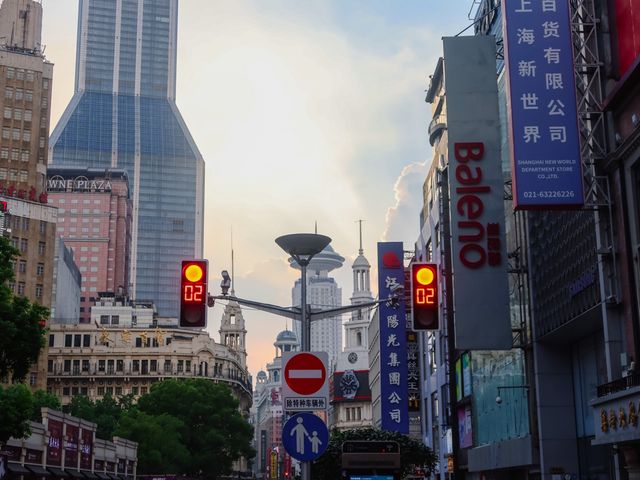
305,341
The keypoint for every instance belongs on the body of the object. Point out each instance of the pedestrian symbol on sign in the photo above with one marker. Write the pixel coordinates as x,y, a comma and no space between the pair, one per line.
305,436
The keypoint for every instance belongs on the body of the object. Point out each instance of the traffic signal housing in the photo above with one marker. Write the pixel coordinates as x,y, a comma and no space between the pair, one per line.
193,293
424,296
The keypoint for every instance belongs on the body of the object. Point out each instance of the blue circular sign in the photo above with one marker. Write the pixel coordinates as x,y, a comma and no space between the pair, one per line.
305,436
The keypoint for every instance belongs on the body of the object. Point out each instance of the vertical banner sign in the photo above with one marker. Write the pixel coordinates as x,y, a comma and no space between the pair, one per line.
476,189
544,140
394,395
466,375
71,446
263,450
86,449
54,448
413,371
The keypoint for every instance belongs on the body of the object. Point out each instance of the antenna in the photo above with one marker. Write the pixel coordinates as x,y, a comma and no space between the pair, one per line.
233,275
360,226
316,227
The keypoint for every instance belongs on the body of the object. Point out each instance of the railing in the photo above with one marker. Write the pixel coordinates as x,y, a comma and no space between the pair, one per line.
619,385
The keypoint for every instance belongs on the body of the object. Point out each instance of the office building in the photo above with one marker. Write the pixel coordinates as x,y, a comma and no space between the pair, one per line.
123,115
94,219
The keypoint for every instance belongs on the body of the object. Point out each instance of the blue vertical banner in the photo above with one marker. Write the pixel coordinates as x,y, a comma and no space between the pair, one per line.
544,140
394,394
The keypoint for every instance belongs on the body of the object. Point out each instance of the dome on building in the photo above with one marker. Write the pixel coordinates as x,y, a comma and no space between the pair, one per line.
286,336
361,262
326,260
261,376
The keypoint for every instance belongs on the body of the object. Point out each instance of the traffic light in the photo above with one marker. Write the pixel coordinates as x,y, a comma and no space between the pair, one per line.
424,296
193,293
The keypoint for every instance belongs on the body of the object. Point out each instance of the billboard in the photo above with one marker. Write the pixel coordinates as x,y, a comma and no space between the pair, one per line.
54,447
543,121
476,196
351,386
394,395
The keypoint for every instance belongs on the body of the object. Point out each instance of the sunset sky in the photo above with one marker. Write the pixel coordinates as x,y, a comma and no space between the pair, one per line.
305,111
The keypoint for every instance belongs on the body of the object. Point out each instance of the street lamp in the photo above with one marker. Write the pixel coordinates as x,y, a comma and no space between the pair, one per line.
303,247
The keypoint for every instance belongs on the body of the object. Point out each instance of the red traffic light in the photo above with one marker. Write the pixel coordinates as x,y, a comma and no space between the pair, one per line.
424,296
193,293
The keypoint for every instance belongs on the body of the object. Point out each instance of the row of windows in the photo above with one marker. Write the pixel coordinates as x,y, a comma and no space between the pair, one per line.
19,289
145,366
75,220
18,114
18,94
14,154
22,244
74,230
85,201
14,174
75,210
21,265
28,75
22,223
18,134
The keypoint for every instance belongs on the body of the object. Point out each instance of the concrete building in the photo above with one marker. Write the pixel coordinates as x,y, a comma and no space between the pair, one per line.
126,348
65,306
350,391
123,115
63,446
323,292
95,221
25,80
271,460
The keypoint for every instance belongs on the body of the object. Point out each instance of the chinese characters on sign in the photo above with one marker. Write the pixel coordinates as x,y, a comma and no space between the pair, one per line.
545,144
413,371
394,395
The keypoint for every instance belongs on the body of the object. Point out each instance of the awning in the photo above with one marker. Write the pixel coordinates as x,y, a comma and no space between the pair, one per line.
112,476
103,476
90,475
57,472
17,469
38,470
76,474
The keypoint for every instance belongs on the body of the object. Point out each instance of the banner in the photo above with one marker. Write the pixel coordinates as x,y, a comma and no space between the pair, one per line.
54,448
476,190
86,449
544,138
413,371
394,395
71,446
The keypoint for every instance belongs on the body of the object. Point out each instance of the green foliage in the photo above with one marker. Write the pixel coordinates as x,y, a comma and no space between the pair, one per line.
105,412
160,447
214,432
21,332
43,399
16,406
412,452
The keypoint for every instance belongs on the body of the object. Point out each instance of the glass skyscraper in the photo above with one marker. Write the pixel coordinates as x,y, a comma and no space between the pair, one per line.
123,115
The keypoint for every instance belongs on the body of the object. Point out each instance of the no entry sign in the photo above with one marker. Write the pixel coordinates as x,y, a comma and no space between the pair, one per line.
306,385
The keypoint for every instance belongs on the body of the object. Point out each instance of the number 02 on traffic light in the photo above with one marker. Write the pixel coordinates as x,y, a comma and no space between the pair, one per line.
424,296
193,293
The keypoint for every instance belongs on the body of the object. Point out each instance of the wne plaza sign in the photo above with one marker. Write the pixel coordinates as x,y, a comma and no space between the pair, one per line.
58,183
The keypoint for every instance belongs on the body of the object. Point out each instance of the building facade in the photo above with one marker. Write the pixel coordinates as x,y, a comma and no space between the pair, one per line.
25,80
123,115
65,306
323,292
95,221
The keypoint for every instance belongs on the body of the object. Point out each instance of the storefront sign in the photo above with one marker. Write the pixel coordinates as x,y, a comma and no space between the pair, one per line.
71,446
413,371
544,138
54,447
394,395
58,183
86,449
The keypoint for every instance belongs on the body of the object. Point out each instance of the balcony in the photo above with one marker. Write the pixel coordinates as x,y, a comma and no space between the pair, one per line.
436,128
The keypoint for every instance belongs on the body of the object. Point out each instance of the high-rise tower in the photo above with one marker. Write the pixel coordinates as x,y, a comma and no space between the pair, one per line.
123,115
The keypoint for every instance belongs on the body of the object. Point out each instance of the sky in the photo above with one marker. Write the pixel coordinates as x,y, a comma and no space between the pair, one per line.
306,112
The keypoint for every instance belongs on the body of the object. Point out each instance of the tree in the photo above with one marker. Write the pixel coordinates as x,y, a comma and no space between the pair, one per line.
413,453
16,405
160,447
213,431
43,399
105,412
22,323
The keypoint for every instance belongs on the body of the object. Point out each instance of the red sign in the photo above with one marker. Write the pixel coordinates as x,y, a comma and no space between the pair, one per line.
305,373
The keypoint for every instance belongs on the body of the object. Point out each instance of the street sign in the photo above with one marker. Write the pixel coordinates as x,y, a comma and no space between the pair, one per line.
305,436
306,383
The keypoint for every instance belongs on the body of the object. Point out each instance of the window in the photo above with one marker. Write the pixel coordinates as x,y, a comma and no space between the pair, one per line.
26,135
188,365
77,340
20,288
76,367
45,83
45,103
104,319
68,340
24,156
119,365
7,112
17,113
67,366
40,269
51,339
143,390
3,173
11,72
50,366
115,319
20,74
180,366
167,366
86,340
85,365
22,266
28,115
24,243
118,391
134,390
153,365
110,366
28,95
8,92
66,391
101,365
39,289
15,134
41,142
6,135
138,342
101,391
41,248
24,175
136,365
43,227
30,76
19,94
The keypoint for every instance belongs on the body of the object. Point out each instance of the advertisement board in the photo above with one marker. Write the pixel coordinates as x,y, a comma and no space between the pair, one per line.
544,140
351,386
54,447
71,446
413,371
393,338
465,427
476,190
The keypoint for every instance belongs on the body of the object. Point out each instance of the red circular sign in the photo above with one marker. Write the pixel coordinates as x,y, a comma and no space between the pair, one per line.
305,373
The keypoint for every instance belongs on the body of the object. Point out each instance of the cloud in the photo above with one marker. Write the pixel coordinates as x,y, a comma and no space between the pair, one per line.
402,219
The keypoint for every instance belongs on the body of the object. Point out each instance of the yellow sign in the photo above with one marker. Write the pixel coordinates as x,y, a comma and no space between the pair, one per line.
274,466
